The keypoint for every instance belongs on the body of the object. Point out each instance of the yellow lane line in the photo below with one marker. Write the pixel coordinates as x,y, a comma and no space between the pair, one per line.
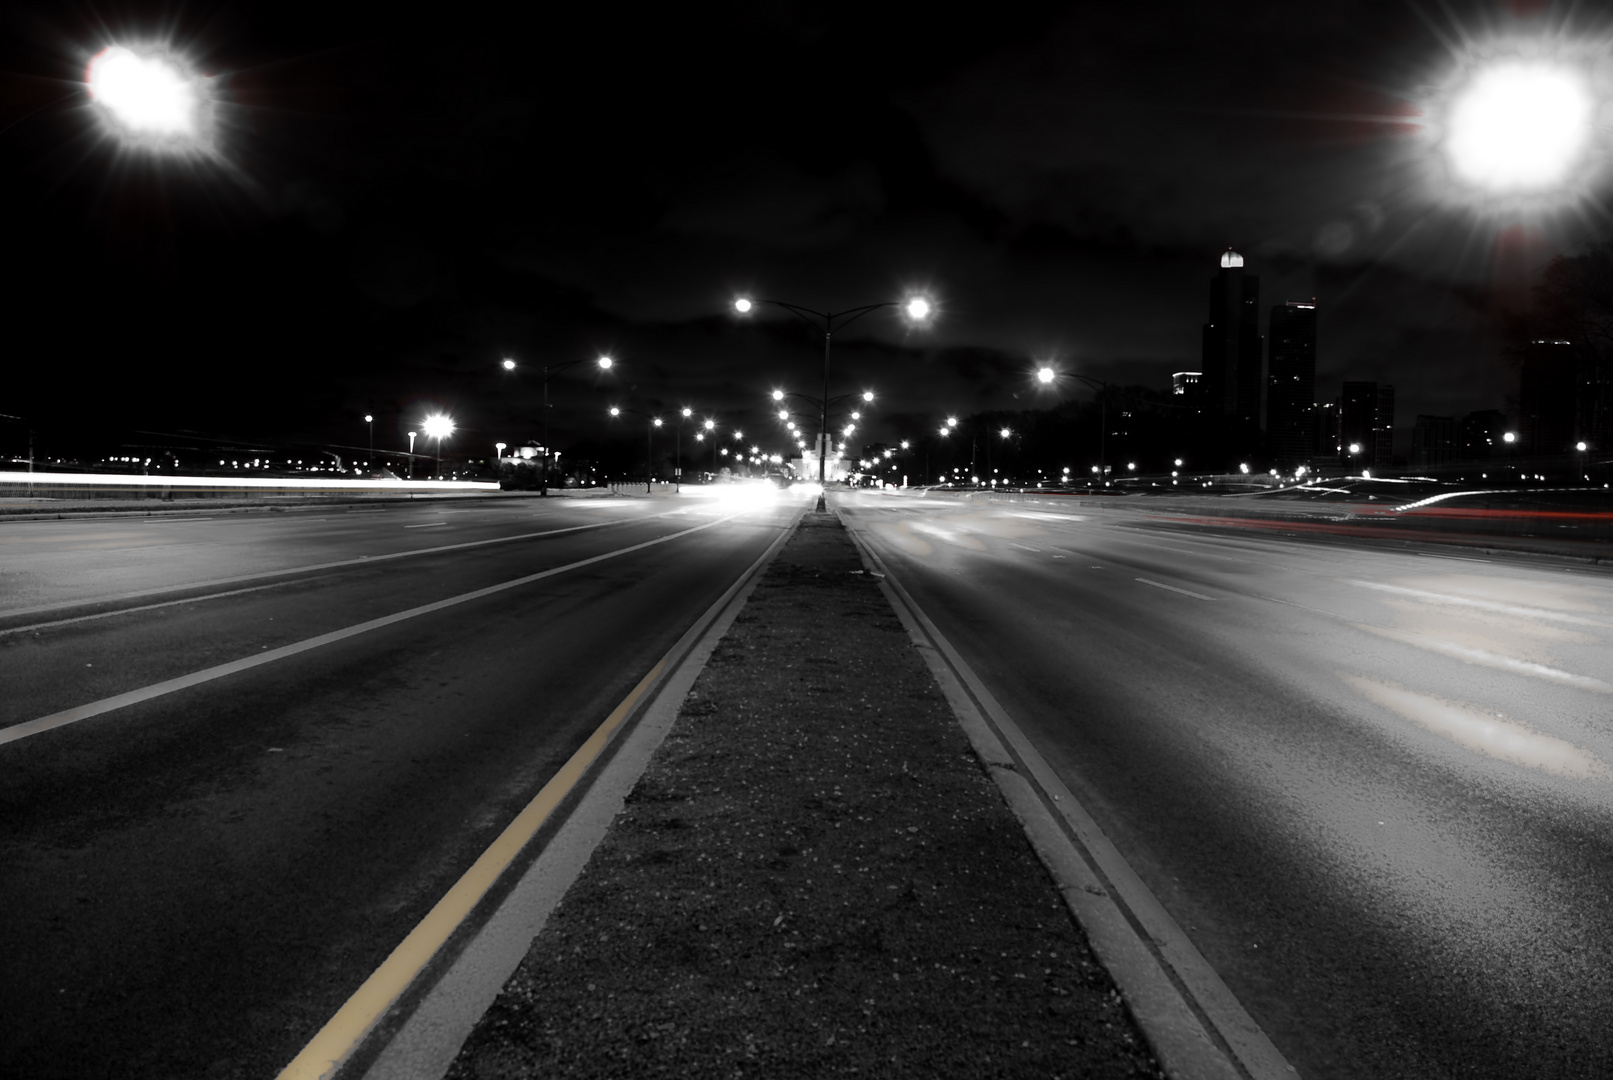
353,1021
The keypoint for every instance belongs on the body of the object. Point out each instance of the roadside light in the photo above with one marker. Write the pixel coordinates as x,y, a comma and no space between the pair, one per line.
1244,469
687,413
952,421
868,395
509,365
710,424
147,95
1355,448
614,411
783,414
1519,126
1132,465
742,305
904,444
1511,437
1178,463
778,395
856,416
1580,446
1005,433
657,421
605,362
1045,375
918,308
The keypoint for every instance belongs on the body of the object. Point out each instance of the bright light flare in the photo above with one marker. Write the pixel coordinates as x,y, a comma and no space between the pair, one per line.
1518,127
149,95
438,426
605,362
509,365
917,308
742,305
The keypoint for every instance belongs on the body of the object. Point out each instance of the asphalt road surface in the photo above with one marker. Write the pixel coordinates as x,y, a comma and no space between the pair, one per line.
193,883
1373,784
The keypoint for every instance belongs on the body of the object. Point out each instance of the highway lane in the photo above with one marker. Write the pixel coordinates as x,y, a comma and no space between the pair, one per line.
194,883
1375,786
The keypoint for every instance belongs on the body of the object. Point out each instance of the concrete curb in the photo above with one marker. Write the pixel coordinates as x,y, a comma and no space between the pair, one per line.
423,1044
1191,1019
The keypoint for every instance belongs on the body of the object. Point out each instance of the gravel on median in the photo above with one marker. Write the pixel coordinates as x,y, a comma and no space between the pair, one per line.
814,877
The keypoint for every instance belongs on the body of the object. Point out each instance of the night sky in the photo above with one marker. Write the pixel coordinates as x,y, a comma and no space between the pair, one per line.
395,200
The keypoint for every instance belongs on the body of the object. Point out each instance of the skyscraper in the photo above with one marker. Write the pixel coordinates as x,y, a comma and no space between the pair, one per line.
1383,428
1232,361
1291,385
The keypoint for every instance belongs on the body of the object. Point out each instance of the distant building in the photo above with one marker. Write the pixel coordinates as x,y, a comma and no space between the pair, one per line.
1327,429
1358,405
1433,441
1367,422
1478,435
1186,384
1232,360
1383,428
1291,383
1548,397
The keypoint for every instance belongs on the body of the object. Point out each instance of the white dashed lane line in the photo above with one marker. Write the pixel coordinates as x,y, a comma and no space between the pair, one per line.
1173,588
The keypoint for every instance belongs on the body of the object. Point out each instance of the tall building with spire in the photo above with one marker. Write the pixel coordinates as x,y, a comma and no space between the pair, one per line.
1232,361
1291,385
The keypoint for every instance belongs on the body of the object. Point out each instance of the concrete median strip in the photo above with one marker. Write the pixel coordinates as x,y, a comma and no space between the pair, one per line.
814,876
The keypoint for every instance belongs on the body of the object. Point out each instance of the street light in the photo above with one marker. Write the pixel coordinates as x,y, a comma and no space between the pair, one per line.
604,364
1045,375
150,97
369,420
1518,126
677,465
916,308
649,433
411,455
438,426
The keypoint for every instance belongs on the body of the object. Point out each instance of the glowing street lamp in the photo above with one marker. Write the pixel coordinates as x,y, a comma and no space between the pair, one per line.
917,309
369,420
149,97
1518,126
438,426
411,455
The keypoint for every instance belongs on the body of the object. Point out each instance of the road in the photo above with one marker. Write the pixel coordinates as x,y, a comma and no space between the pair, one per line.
1373,784
335,711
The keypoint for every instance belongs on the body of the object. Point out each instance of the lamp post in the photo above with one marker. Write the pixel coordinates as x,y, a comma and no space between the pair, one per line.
917,309
438,426
603,363
411,455
649,434
1046,375
677,464
369,421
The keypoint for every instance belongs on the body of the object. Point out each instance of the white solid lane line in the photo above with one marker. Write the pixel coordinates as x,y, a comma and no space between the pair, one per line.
269,656
1485,605
427,525
1173,588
